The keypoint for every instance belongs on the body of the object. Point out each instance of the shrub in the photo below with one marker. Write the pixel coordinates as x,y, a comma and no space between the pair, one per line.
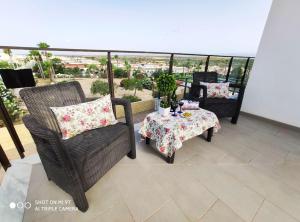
147,83
166,85
158,72
140,76
100,87
4,65
133,84
122,82
120,73
131,98
11,103
103,74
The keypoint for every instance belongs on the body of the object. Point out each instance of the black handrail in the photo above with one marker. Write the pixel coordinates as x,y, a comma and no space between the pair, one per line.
119,51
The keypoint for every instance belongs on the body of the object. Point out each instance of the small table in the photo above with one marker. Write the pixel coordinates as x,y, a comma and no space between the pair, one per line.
169,132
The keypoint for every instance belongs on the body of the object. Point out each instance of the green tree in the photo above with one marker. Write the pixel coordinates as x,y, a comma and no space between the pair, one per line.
103,63
119,72
4,65
127,68
92,69
9,53
166,85
116,57
44,46
199,65
100,87
11,103
133,84
36,56
237,73
188,64
58,66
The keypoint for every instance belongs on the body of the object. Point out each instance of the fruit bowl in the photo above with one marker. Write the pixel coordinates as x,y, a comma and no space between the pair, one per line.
186,114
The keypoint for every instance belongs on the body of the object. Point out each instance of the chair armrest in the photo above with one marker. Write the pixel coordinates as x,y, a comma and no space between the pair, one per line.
38,130
127,108
196,92
41,133
89,99
234,85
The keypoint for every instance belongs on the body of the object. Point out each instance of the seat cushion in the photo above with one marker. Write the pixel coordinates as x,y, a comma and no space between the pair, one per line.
220,101
91,142
221,107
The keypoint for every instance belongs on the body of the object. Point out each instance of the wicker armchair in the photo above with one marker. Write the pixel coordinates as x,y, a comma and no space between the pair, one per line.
222,107
78,163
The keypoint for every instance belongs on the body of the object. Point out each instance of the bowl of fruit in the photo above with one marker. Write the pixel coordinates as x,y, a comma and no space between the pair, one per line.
186,115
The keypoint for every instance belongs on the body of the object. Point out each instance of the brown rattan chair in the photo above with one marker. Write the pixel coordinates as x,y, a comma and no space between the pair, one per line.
222,107
78,163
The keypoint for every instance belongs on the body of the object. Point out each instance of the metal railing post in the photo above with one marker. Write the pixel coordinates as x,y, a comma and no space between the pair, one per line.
171,64
110,76
245,71
229,69
11,129
207,63
3,159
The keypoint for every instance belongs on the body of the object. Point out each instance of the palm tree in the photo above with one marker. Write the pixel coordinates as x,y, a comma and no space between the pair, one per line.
44,46
103,63
116,57
127,68
36,56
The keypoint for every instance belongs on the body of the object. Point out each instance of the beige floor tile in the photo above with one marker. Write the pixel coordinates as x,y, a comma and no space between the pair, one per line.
142,195
101,197
193,198
221,212
270,213
117,213
289,173
293,157
271,186
235,194
188,193
169,212
249,169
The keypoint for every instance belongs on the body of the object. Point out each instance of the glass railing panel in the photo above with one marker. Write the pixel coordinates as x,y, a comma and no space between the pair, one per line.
135,75
219,65
183,69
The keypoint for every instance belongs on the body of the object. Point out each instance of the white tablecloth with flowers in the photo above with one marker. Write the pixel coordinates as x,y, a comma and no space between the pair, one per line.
169,132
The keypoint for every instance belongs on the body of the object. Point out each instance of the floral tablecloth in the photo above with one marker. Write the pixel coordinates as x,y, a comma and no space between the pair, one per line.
169,132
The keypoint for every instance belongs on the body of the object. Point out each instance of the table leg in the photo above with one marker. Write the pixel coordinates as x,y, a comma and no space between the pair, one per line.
147,140
210,133
171,159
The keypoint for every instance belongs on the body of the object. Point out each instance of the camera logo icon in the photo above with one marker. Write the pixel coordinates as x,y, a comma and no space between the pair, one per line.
20,205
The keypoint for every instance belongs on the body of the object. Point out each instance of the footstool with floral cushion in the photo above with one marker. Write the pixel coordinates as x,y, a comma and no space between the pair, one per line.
170,132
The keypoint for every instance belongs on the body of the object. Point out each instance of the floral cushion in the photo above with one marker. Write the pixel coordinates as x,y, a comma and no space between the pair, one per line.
190,105
216,90
75,119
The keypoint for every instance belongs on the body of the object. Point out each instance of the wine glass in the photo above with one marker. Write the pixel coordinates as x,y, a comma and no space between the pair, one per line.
180,105
174,106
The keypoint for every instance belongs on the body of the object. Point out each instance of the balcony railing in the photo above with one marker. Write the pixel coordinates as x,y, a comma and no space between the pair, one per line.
208,61
173,55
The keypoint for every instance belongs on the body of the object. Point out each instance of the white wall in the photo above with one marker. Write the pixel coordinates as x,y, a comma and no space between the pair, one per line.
273,90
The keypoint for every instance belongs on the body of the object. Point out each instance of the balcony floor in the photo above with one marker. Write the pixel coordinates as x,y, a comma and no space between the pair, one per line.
249,172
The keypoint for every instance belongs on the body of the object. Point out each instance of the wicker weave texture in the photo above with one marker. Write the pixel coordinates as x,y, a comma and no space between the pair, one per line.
76,164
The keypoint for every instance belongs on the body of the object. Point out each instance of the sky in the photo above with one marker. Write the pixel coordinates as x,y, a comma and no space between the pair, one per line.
225,27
